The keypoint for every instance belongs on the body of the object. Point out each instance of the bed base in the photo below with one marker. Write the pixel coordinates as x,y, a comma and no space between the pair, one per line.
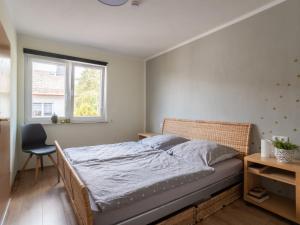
76,189
183,217
211,206
234,135
197,213
189,201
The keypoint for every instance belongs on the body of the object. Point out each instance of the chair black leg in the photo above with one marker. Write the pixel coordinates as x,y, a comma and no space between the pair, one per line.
42,163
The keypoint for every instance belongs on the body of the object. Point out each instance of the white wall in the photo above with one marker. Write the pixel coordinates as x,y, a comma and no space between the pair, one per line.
125,97
11,34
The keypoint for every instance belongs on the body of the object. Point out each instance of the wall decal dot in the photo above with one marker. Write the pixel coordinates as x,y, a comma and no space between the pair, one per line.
295,129
274,108
266,99
262,118
298,100
276,122
280,96
285,117
278,84
298,75
262,133
289,84
295,60
270,132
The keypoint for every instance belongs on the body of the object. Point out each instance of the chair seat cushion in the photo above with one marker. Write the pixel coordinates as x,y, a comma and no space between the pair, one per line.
43,150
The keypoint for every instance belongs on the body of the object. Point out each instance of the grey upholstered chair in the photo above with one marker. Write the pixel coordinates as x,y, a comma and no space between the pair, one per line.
34,143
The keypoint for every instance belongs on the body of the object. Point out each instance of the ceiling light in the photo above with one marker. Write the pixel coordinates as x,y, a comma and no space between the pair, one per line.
113,2
135,2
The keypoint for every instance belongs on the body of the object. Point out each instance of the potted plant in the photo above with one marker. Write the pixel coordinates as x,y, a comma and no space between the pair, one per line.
284,150
54,118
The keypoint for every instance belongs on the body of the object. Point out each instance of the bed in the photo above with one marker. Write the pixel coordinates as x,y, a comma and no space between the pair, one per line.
149,210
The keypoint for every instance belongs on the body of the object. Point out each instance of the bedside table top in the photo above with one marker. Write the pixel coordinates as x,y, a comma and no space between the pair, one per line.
147,134
256,158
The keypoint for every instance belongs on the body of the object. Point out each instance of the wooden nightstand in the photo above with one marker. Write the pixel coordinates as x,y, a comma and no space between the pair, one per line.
256,167
145,135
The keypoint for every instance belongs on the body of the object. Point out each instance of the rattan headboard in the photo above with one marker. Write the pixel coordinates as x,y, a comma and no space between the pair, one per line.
234,135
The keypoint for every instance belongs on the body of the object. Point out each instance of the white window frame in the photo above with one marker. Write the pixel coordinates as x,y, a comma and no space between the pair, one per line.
69,90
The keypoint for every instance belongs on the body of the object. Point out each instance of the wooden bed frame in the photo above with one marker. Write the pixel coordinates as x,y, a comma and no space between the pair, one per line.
235,135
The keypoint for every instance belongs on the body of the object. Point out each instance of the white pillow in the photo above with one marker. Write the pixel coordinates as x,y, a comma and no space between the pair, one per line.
163,142
208,152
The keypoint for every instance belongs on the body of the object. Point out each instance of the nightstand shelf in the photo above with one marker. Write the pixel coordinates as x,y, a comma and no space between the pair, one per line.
276,174
256,167
279,205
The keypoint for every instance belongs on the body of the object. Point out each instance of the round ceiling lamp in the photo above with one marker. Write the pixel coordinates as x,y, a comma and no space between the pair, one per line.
113,2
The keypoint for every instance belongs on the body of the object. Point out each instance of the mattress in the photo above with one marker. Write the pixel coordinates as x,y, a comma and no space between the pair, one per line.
223,170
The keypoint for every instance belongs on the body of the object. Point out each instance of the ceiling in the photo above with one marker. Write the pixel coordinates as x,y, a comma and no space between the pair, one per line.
143,31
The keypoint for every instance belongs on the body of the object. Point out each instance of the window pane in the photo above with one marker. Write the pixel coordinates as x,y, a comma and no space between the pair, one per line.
48,109
4,85
37,109
48,88
87,89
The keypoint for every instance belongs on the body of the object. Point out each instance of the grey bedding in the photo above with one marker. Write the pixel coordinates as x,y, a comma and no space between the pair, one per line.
163,142
119,181
207,151
223,171
105,152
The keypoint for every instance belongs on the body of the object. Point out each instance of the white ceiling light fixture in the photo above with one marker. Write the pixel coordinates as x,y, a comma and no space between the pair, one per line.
135,2
113,2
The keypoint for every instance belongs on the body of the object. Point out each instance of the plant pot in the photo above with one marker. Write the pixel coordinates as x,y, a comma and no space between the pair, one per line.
54,118
284,156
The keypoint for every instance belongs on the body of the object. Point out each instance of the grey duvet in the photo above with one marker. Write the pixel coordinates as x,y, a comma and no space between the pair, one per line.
119,179
105,152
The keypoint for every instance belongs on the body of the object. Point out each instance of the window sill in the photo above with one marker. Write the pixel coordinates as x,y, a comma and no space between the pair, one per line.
79,122
71,123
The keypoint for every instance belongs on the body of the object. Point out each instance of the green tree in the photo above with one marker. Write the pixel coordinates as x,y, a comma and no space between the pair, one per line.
87,93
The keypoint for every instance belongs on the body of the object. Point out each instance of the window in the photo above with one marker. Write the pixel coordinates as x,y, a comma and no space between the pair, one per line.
4,85
87,91
48,109
69,89
48,86
42,109
37,109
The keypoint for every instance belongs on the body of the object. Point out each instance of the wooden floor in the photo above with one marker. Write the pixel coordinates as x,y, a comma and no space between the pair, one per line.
46,203
41,203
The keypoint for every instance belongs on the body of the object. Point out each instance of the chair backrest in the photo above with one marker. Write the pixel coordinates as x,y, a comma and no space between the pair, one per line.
33,135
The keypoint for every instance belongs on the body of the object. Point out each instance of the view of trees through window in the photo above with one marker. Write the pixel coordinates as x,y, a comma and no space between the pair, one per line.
87,89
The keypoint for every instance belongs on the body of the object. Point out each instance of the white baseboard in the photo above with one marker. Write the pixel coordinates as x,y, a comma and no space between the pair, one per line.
2,221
